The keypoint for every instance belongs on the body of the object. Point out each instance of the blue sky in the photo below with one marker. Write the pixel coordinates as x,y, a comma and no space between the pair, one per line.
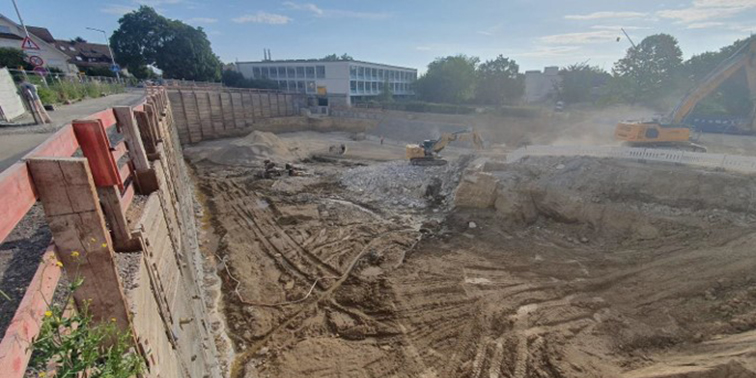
414,32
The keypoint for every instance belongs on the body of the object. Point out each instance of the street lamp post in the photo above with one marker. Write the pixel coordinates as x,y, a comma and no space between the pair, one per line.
112,57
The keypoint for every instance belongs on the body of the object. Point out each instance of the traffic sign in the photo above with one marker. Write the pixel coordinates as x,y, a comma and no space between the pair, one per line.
36,61
115,67
28,44
41,71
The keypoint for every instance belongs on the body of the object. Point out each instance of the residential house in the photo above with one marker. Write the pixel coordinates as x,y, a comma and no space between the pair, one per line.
12,34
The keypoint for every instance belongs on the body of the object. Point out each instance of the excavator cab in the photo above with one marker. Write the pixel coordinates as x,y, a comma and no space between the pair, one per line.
426,153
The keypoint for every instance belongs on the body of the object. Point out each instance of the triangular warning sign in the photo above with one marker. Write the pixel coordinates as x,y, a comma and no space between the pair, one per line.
28,44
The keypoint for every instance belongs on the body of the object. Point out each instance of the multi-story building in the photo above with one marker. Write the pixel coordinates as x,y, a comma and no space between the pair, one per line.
542,86
336,82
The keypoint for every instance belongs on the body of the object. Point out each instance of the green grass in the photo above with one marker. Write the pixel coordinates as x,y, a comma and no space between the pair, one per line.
58,92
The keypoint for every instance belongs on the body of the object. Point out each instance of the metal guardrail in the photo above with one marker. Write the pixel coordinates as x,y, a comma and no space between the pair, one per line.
738,163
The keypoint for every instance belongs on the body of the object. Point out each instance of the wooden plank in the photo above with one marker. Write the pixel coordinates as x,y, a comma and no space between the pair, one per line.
148,139
96,148
124,172
222,111
119,150
106,117
133,137
24,327
18,196
199,115
61,144
127,197
68,195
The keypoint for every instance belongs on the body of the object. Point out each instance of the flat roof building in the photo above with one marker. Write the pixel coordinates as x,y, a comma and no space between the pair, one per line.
341,82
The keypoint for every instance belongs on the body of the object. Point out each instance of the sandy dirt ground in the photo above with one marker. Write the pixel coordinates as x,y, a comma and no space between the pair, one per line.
364,267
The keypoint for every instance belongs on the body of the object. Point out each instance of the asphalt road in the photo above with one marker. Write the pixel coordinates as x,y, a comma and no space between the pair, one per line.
15,142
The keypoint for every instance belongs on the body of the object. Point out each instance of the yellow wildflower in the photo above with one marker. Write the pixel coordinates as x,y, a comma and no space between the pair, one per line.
113,320
48,314
59,264
104,245
42,374
75,254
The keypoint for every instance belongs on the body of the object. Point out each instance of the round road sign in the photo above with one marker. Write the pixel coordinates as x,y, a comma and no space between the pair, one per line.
41,71
36,61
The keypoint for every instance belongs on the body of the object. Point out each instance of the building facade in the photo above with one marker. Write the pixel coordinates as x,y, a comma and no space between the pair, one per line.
11,35
542,86
336,82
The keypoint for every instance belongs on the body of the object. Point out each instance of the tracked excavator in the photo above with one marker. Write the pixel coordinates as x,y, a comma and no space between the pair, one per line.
426,153
672,132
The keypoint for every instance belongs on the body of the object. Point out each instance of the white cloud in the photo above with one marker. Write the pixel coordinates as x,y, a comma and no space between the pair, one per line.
304,7
116,9
202,20
484,32
598,36
423,48
702,10
705,25
605,15
263,18
619,28
548,52
335,13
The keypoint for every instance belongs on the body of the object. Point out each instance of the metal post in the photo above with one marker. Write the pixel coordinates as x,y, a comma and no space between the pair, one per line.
21,20
107,42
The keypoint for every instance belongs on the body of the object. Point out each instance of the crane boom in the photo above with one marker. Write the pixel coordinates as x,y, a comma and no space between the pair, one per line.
745,57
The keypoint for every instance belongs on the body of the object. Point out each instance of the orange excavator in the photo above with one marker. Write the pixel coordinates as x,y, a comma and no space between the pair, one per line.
672,132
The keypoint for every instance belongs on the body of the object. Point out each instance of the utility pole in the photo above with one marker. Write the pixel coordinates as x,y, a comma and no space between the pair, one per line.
107,42
21,20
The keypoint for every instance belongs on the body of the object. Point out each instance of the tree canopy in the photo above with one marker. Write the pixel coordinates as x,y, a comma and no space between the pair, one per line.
499,82
450,79
181,51
653,66
580,82
235,79
336,58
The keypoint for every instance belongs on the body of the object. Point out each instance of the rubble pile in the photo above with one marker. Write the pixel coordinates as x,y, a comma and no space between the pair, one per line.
399,183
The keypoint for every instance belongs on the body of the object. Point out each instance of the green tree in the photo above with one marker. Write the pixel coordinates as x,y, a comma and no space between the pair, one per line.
732,97
499,82
581,82
450,80
181,51
235,79
13,58
654,66
387,94
336,58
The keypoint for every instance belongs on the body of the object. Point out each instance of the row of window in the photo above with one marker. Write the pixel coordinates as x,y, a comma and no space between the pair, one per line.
367,73
311,72
377,87
300,86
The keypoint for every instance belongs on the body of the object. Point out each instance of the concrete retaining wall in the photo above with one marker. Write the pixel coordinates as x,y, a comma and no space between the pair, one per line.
10,102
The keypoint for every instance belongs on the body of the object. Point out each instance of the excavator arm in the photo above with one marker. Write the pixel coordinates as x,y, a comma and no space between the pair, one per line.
745,57
463,135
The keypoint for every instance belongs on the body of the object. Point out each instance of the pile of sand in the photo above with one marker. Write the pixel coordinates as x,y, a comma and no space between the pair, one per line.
247,151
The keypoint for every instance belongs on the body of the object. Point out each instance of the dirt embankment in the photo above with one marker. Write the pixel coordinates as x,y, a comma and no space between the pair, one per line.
551,267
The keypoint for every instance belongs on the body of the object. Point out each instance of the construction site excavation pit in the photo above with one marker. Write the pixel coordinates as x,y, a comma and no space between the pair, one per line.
361,265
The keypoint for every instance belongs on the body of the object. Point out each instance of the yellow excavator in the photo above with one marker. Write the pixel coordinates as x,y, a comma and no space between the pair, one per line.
673,133
426,153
